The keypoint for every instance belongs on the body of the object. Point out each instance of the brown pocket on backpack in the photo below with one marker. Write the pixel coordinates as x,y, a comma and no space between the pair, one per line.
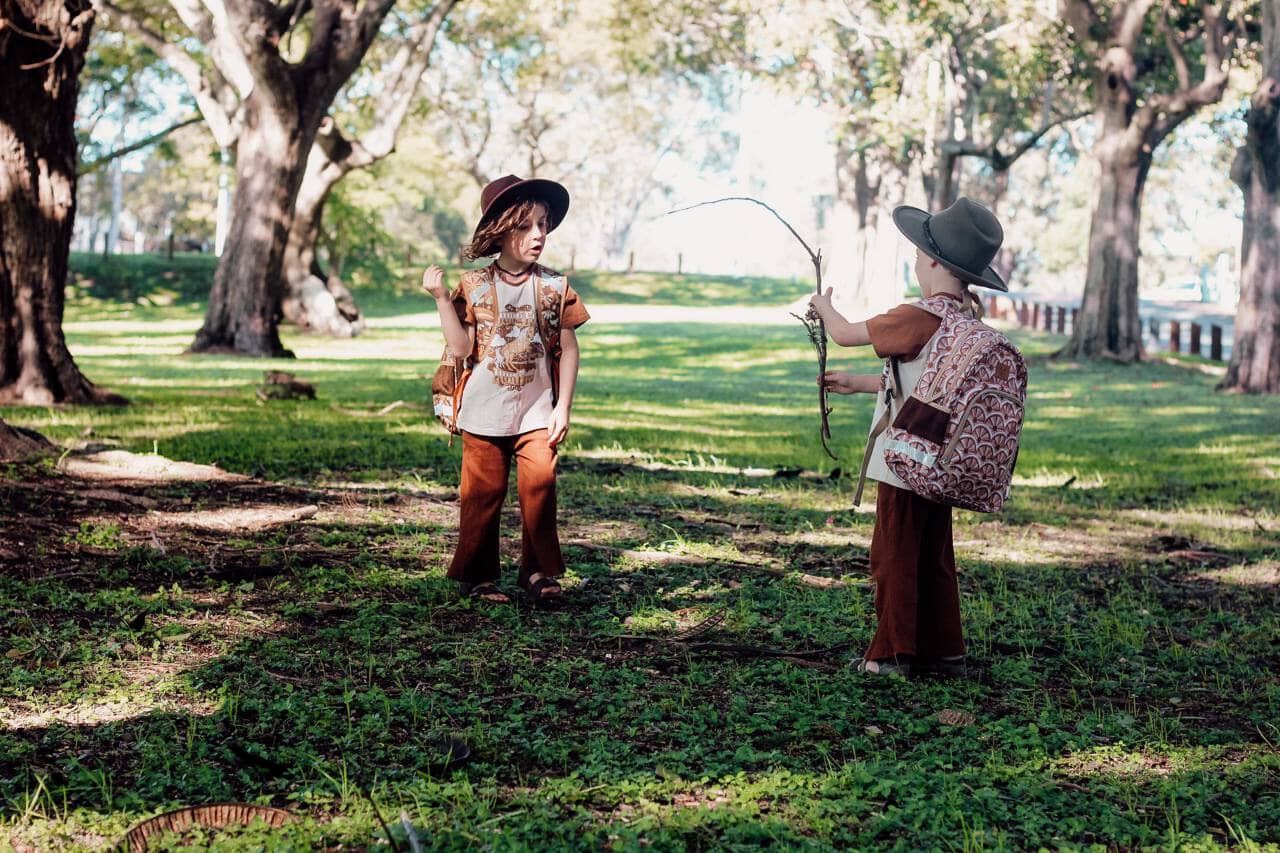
445,379
919,418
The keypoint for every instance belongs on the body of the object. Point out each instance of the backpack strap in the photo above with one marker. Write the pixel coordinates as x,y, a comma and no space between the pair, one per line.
892,395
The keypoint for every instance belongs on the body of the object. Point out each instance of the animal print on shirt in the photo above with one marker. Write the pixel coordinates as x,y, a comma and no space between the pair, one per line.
516,347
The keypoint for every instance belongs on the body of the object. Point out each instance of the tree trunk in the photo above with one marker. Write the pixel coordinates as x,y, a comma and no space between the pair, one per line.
313,299
942,187
859,179
1006,260
244,304
41,51
1255,350
116,172
1108,325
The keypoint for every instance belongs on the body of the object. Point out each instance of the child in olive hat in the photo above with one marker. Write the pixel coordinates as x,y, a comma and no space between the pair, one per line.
913,563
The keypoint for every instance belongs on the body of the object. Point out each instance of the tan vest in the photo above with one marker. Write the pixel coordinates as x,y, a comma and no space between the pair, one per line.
909,375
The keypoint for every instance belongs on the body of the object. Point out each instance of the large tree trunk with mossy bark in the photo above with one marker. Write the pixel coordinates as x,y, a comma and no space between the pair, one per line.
42,49
1255,350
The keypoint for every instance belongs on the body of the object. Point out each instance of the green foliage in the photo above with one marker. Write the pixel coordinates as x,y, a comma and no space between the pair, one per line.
448,227
1119,613
356,243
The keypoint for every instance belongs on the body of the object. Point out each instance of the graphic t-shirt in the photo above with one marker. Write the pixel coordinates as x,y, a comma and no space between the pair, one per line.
509,392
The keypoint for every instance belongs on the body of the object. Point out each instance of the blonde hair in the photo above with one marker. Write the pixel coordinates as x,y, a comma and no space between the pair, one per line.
972,303
488,237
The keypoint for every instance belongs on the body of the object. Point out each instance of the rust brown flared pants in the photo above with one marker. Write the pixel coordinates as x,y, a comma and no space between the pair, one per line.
486,465
913,565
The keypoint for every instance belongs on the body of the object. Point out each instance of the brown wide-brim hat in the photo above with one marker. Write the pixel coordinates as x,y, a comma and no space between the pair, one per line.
964,238
506,192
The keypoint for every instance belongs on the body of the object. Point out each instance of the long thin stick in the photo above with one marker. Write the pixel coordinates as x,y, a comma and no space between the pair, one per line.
812,322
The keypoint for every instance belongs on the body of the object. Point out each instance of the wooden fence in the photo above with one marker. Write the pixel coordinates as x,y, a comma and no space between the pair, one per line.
1053,317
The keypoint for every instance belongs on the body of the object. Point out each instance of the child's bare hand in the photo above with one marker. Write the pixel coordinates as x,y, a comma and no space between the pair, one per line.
558,427
433,281
821,303
839,382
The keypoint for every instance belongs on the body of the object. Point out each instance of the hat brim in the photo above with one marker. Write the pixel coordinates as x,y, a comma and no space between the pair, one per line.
550,193
911,222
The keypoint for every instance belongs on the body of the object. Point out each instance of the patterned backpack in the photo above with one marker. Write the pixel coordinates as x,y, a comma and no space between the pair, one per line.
954,440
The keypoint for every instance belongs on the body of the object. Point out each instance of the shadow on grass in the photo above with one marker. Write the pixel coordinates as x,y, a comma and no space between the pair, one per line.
338,671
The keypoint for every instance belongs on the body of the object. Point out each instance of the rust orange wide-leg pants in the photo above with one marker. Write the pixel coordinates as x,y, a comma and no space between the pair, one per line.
486,465
913,565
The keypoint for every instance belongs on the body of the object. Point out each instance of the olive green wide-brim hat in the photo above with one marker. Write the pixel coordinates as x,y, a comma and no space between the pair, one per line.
964,238
506,192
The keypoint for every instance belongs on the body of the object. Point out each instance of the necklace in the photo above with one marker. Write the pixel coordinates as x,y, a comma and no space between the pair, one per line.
517,275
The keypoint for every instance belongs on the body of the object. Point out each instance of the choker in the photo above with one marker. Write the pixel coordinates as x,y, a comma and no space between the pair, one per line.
524,272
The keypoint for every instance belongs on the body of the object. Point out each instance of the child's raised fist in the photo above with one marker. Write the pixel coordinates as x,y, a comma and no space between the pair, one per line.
820,303
433,281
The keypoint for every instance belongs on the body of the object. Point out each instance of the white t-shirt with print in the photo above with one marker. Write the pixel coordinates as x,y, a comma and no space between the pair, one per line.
509,392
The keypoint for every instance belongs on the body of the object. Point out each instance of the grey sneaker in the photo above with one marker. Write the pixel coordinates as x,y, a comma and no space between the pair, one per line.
886,667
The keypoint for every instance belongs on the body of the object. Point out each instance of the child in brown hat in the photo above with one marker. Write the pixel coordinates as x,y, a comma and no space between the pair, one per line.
514,322
913,565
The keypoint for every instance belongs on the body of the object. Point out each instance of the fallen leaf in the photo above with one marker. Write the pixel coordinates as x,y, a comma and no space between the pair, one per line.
949,717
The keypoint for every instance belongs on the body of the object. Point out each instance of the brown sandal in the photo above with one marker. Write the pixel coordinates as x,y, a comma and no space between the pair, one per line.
545,591
486,592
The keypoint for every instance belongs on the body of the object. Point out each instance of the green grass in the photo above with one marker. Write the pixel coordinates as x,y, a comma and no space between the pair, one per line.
1120,612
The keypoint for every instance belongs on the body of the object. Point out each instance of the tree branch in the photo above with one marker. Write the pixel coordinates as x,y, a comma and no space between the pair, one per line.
250,27
99,162
410,63
1163,113
208,23
1175,49
1082,17
1128,28
211,92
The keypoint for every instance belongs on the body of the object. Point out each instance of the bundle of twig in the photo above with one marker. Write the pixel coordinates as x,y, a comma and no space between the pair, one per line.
812,322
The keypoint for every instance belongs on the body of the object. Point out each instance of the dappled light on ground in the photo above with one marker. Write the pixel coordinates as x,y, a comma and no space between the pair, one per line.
235,518
121,465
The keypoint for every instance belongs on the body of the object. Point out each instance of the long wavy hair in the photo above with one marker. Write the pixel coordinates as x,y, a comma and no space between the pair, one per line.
488,239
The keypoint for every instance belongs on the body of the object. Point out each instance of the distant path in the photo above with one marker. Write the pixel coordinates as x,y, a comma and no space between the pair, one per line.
1206,314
